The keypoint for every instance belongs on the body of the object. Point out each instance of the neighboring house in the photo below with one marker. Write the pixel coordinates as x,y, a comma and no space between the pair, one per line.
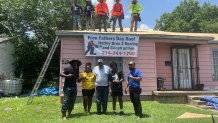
183,59
6,57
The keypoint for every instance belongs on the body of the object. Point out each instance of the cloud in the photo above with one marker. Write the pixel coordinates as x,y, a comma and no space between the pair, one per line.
145,27
127,16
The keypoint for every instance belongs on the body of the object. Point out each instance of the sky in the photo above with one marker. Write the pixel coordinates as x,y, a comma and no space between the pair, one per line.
152,10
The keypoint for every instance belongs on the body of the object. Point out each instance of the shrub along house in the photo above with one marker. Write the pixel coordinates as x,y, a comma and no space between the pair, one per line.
184,60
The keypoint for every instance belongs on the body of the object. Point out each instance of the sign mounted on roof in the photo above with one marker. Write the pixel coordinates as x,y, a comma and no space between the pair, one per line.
111,45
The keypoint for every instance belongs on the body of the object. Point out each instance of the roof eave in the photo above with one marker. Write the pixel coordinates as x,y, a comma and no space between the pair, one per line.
144,35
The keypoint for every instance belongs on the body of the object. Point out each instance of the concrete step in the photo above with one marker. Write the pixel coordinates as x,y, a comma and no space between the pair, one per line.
206,107
197,97
198,102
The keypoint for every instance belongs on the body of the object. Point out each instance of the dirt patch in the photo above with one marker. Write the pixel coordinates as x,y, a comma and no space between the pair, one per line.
195,115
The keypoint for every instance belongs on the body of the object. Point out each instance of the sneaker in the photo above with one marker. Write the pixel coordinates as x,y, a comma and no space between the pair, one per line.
138,117
64,118
121,113
114,113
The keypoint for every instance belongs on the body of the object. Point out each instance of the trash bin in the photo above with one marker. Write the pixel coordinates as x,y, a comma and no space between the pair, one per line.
1,94
160,83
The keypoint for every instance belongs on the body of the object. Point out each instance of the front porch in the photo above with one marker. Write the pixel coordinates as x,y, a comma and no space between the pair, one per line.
179,97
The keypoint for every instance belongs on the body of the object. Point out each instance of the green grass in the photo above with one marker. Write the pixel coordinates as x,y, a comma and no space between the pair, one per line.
46,109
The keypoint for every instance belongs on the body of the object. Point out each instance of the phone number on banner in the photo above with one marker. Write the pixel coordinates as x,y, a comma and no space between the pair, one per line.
118,53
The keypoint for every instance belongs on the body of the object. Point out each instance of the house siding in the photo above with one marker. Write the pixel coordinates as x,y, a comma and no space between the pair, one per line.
151,59
205,64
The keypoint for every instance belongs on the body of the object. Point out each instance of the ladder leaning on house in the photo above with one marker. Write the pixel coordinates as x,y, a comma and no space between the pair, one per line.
44,69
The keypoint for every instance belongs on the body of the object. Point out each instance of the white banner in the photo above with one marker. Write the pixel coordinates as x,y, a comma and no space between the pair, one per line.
111,45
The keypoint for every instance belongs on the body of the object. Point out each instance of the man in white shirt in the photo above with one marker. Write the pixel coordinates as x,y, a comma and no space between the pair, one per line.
102,86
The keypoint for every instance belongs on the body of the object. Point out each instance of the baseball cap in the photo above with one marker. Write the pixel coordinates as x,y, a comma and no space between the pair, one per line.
100,61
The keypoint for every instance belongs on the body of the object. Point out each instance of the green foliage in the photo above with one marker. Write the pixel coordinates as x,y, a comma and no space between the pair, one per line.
189,16
46,109
32,24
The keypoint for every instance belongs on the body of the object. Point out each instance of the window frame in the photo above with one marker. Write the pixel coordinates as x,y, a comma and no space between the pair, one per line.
213,65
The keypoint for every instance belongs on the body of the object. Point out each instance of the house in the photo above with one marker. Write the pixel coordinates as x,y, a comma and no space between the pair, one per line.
6,57
184,60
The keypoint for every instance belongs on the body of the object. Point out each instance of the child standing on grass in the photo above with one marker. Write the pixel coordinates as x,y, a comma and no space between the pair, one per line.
116,89
88,87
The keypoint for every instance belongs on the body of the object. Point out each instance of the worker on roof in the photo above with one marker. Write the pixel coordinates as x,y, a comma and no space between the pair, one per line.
102,12
135,8
117,14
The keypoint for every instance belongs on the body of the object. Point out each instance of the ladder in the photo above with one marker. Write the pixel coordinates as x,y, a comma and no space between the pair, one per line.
44,69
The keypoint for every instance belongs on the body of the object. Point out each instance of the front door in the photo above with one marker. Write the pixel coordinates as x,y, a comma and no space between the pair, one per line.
182,78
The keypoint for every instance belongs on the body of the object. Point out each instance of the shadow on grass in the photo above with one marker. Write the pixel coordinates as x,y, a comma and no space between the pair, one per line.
79,115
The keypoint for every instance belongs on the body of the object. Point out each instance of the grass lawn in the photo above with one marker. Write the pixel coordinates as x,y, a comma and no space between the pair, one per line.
46,109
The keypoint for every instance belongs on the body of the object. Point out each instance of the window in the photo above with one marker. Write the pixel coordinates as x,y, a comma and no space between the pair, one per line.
215,63
108,60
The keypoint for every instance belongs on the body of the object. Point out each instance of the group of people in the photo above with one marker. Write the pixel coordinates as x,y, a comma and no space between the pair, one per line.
102,80
102,12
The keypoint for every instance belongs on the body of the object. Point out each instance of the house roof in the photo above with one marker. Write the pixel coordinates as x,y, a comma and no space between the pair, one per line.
210,37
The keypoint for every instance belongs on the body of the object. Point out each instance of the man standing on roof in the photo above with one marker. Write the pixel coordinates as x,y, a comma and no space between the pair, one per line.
117,14
76,12
135,8
102,12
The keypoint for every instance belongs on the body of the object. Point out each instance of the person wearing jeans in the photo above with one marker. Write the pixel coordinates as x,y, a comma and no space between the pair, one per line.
135,8
71,74
102,86
134,79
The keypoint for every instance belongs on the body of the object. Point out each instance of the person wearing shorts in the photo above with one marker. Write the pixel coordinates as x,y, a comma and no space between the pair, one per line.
88,87
115,87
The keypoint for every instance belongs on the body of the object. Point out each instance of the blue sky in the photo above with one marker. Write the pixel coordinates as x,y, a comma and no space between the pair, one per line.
153,9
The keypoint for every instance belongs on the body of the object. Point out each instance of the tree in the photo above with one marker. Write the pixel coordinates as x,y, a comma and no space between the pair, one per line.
189,16
32,24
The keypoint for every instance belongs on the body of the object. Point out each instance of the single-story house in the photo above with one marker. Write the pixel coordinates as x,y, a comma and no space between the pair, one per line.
184,60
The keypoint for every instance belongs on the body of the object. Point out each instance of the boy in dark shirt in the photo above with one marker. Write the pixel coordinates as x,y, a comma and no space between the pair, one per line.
76,12
116,89
88,11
